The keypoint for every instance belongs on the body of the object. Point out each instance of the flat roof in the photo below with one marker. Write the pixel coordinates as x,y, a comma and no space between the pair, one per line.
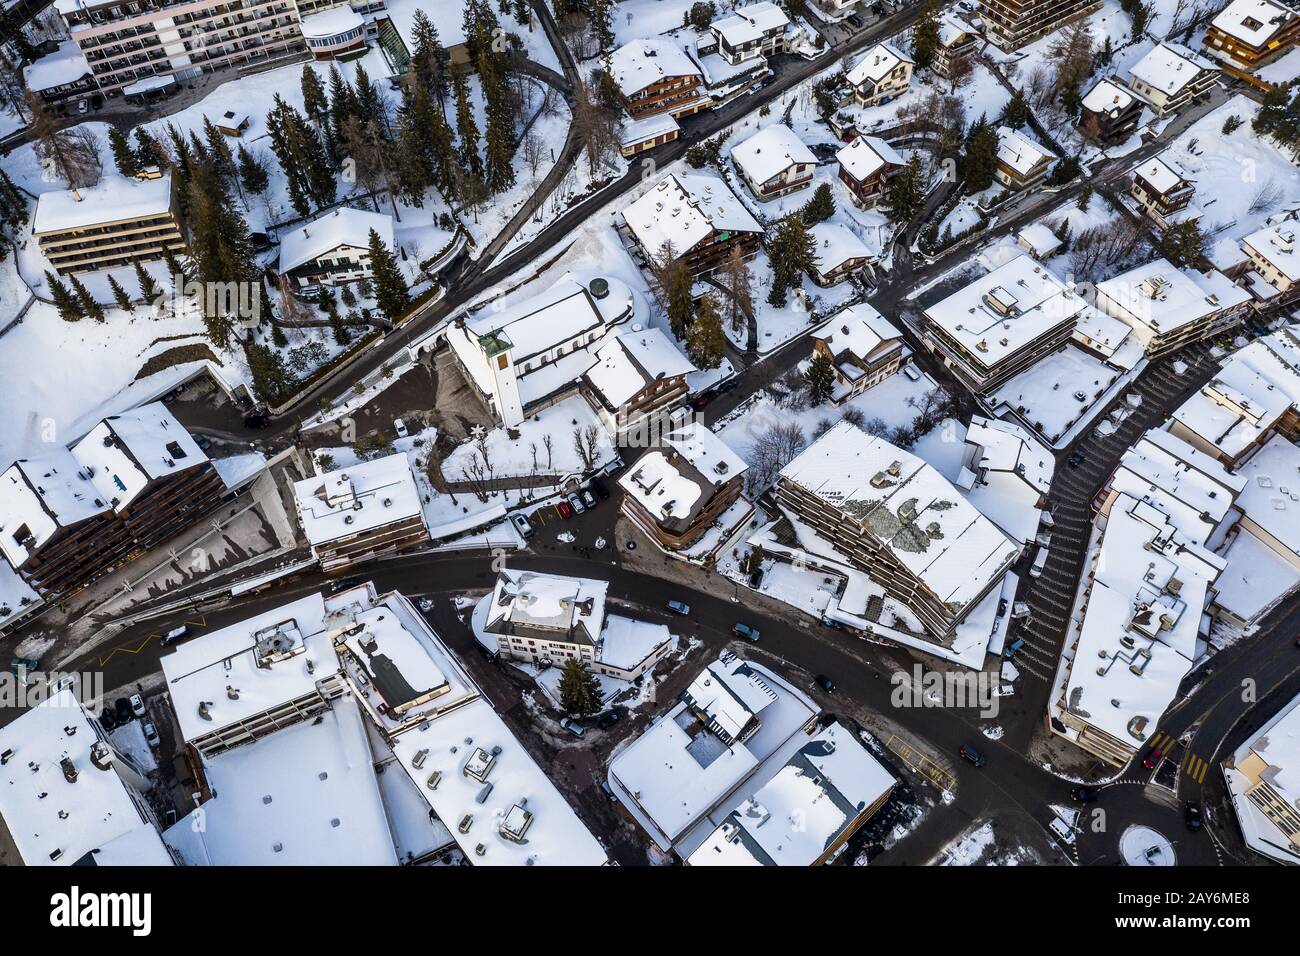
349,501
115,199
1163,298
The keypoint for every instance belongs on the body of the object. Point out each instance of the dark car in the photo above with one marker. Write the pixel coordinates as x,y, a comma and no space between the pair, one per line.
203,442
1010,650
745,631
974,756
1153,758
122,710
1192,815
1077,459
1084,794
598,486
825,683
107,719
699,401
855,20
343,584
609,718
257,420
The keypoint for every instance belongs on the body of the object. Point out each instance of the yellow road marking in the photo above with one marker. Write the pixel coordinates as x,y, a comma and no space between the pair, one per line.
127,650
922,764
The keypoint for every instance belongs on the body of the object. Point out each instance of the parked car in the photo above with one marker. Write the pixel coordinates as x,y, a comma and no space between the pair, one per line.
107,719
1153,758
825,683
150,733
677,607
609,718
522,524
137,705
598,486
1010,650
1077,459
343,584
563,510
588,498
576,503
1040,562
1084,794
745,631
174,635
27,664
974,756
203,441
573,727
854,20
1192,815
399,427
122,710
83,106
257,420
911,373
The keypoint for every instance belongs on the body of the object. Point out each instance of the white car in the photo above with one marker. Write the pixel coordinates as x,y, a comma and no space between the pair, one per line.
399,426
150,733
522,524
137,704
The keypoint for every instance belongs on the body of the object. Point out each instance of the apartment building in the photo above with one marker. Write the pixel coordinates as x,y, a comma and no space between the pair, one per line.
893,516
1171,76
866,165
1163,192
1169,308
59,76
1012,24
752,32
126,41
654,75
1110,112
697,216
1002,323
1264,786
774,162
863,347
1275,259
635,377
957,42
75,514
1246,34
120,221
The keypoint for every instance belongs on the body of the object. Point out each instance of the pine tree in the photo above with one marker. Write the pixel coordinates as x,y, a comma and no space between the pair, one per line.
219,149
119,295
315,102
600,18
428,58
148,288
1183,243
306,165
220,249
705,341
466,128
123,155
980,159
271,378
252,172
925,36
1085,197
148,151
89,307
821,207
69,305
342,103
793,253
1016,112
579,689
905,195
391,292
821,379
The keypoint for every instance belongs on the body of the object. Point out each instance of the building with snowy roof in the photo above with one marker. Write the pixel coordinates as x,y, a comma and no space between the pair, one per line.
840,253
895,517
957,42
883,74
866,165
117,222
1146,586
863,347
1164,192
1169,308
654,75
803,809
1007,474
1014,25
697,216
774,162
1170,76
677,490
637,136
1246,34
1275,258
334,32
135,480
333,249
524,354
756,30
60,75
1021,162
68,797
1003,323
1110,112
636,376
681,777
1263,779
359,512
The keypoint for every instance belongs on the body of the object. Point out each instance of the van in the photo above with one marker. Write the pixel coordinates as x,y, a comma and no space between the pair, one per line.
1040,560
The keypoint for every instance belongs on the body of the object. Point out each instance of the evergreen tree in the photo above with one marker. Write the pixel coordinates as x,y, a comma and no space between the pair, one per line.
177,273
579,689
69,305
220,249
905,194
89,307
466,128
342,103
306,165
391,292
1016,113
1183,244
315,102
821,207
271,378
252,172
13,32
793,254
1085,197
980,159
219,150
148,151
705,341
370,106
735,278
119,294
123,154
429,58
821,379
600,18
925,36
148,288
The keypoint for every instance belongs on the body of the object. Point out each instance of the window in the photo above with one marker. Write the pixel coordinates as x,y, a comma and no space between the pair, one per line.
504,362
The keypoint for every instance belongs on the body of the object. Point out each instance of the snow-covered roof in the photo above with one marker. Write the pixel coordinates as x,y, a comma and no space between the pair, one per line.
569,308
1156,297
55,800
343,227
43,495
647,128
837,244
115,199
65,65
563,607
631,360
1162,176
1018,151
876,64
1277,745
447,17
648,60
356,499
331,22
267,660
626,642
1170,67
306,795
859,329
1271,497
795,816
125,452
1010,472
684,209
770,152
1039,240
1109,96
1006,309
1253,22
1276,245
911,509
866,154
675,482
764,15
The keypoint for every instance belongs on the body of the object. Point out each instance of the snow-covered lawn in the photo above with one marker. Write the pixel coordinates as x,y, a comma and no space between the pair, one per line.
513,456
632,19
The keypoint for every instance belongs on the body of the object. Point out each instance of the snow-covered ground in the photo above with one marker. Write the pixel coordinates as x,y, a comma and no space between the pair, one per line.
513,457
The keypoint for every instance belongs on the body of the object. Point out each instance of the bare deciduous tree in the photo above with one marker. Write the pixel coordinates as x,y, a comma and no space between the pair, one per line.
586,442
771,451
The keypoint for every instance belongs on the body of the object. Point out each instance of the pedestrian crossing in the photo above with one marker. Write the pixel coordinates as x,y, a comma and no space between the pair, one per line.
1195,767
1191,765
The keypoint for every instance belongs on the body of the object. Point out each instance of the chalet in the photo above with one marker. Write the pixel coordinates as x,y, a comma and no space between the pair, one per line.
333,249
757,30
1247,34
881,75
697,216
957,41
1022,163
637,374
1110,112
656,76
1171,76
863,347
61,75
1275,257
866,166
774,161
841,253
1163,192
637,136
